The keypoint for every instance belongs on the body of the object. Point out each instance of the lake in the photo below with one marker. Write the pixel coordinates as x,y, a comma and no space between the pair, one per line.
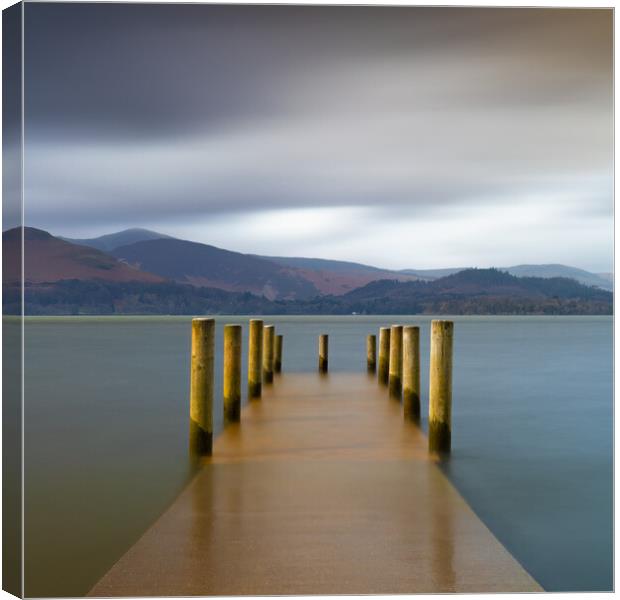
106,424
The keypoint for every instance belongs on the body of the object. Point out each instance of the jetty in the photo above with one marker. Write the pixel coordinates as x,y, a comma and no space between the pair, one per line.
320,487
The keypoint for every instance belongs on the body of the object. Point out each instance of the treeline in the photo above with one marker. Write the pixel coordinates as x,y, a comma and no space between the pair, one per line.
75,297
471,292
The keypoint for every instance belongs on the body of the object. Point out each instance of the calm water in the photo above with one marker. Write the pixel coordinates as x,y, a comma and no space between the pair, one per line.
106,434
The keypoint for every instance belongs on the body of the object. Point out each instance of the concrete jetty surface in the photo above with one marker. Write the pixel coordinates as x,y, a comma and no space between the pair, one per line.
323,488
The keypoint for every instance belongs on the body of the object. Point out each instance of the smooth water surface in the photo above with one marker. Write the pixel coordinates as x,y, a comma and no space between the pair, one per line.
106,434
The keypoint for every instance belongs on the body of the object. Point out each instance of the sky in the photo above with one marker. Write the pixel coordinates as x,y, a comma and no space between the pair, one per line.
398,137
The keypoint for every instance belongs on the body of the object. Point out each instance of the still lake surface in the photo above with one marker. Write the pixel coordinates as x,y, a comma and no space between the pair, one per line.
106,408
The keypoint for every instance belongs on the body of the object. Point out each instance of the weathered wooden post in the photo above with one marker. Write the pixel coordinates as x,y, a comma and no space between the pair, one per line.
440,394
268,347
371,353
255,359
323,352
396,361
201,387
277,362
232,373
384,355
411,373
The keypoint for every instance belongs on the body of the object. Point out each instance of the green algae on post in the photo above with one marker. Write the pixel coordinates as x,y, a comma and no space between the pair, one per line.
384,355
201,386
396,362
440,388
255,358
268,347
323,352
277,361
232,373
411,373
371,353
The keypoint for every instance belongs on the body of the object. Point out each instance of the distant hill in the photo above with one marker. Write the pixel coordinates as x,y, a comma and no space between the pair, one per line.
481,291
324,264
432,273
202,265
340,277
602,280
49,259
472,283
337,276
547,271
111,241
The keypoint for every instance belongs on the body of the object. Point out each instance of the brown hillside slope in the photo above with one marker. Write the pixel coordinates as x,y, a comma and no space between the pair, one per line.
49,259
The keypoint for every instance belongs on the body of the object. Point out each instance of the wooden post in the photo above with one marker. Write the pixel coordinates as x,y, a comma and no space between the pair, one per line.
268,343
371,353
232,373
440,393
396,361
384,355
255,359
411,373
201,387
323,352
277,363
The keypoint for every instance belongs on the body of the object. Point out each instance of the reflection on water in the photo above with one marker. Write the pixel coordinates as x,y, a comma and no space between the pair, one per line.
107,403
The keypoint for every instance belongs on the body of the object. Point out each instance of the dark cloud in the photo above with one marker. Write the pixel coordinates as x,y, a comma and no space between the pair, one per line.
153,69
187,113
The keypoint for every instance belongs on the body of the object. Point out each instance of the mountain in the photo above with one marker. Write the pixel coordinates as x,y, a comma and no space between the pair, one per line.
110,241
481,291
49,259
301,277
601,280
432,273
478,283
202,265
547,271
162,258
473,291
337,276
324,264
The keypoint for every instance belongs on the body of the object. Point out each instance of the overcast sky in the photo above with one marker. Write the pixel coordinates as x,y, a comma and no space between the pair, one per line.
399,137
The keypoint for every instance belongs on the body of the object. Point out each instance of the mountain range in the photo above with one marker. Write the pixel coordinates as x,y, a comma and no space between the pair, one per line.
352,274
203,265
138,270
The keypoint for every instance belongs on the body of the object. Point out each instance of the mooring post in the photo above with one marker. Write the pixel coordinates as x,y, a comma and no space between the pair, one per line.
396,361
323,352
201,386
277,361
411,373
440,393
232,373
384,355
268,348
371,353
255,358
